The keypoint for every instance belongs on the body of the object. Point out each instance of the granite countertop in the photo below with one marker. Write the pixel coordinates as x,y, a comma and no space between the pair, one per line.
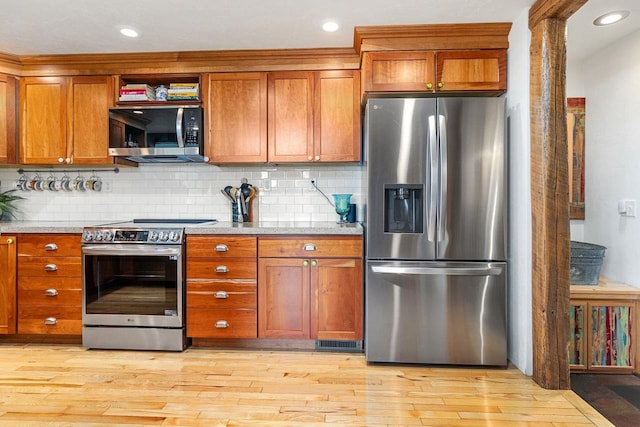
265,227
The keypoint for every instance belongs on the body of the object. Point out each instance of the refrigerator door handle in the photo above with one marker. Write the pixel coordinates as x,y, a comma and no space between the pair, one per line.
448,271
433,177
442,192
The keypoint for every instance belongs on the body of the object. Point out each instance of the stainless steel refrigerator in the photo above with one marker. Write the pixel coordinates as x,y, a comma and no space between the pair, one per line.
435,223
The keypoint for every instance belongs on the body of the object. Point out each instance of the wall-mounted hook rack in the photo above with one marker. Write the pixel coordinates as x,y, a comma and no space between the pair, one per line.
23,171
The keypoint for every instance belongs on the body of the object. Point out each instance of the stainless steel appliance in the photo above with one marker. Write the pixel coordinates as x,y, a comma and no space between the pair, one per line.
165,134
134,285
435,231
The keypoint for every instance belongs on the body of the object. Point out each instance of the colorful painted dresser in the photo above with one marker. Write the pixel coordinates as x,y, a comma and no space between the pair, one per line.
604,327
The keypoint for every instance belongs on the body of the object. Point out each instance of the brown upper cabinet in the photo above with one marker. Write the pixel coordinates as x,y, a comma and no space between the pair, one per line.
281,117
237,118
65,120
442,71
8,135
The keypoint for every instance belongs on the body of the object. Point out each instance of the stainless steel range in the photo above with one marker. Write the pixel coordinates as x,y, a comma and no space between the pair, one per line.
134,285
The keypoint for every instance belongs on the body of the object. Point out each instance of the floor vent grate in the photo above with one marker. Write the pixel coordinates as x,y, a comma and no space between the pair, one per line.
339,345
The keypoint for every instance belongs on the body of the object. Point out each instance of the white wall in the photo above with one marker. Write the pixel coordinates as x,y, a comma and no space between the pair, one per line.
183,191
519,297
612,156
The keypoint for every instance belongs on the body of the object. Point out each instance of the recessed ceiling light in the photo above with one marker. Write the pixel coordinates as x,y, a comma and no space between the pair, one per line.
128,32
330,26
611,17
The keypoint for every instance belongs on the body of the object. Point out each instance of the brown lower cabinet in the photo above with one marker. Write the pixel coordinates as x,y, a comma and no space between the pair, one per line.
49,284
8,284
221,287
310,288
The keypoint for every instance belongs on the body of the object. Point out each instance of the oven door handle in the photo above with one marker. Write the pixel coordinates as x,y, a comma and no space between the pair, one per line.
130,250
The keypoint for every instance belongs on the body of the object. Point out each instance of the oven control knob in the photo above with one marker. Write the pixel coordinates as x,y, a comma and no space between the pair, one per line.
98,236
153,236
108,236
87,236
164,236
174,236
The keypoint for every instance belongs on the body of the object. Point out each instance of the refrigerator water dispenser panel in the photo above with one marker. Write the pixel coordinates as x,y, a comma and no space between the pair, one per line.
403,208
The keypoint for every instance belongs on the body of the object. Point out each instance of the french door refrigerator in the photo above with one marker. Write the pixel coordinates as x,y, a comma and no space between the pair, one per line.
435,223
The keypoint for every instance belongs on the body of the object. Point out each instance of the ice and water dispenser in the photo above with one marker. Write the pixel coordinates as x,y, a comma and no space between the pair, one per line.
403,206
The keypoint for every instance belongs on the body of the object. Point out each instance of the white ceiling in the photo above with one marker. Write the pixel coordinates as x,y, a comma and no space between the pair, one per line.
36,27
584,38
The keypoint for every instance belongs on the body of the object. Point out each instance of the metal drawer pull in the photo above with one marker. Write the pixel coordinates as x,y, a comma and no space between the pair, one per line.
50,247
222,269
50,321
310,247
222,324
51,292
222,295
50,267
221,248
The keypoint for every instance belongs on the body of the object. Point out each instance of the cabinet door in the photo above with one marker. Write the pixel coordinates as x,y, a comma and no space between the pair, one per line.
476,70
398,71
611,336
237,118
8,285
290,117
336,299
283,298
43,103
578,335
88,119
337,116
8,122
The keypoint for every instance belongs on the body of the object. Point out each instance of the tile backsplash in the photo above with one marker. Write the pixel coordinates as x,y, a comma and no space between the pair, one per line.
285,193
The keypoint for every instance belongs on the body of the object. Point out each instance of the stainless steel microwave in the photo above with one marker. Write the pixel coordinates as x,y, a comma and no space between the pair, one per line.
158,134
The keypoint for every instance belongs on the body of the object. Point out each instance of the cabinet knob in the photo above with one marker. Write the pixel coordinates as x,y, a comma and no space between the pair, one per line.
314,263
50,247
50,321
305,263
60,160
221,248
429,85
9,241
50,267
222,324
222,269
310,158
221,295
440,85
67,160
317,158
51,292
309,247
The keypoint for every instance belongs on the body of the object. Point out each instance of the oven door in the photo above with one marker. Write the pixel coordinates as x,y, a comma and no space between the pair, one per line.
133,285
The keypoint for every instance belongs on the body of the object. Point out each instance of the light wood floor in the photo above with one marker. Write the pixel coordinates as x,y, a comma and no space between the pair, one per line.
71,386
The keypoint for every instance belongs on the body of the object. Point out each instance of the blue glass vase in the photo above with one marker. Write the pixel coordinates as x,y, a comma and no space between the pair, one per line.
342,204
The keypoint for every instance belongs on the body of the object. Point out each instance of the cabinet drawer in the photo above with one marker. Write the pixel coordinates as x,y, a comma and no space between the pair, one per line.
41,319
50,296
40,284
310,247
49,245
222,294
221,246
208,268
49,266
221,323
